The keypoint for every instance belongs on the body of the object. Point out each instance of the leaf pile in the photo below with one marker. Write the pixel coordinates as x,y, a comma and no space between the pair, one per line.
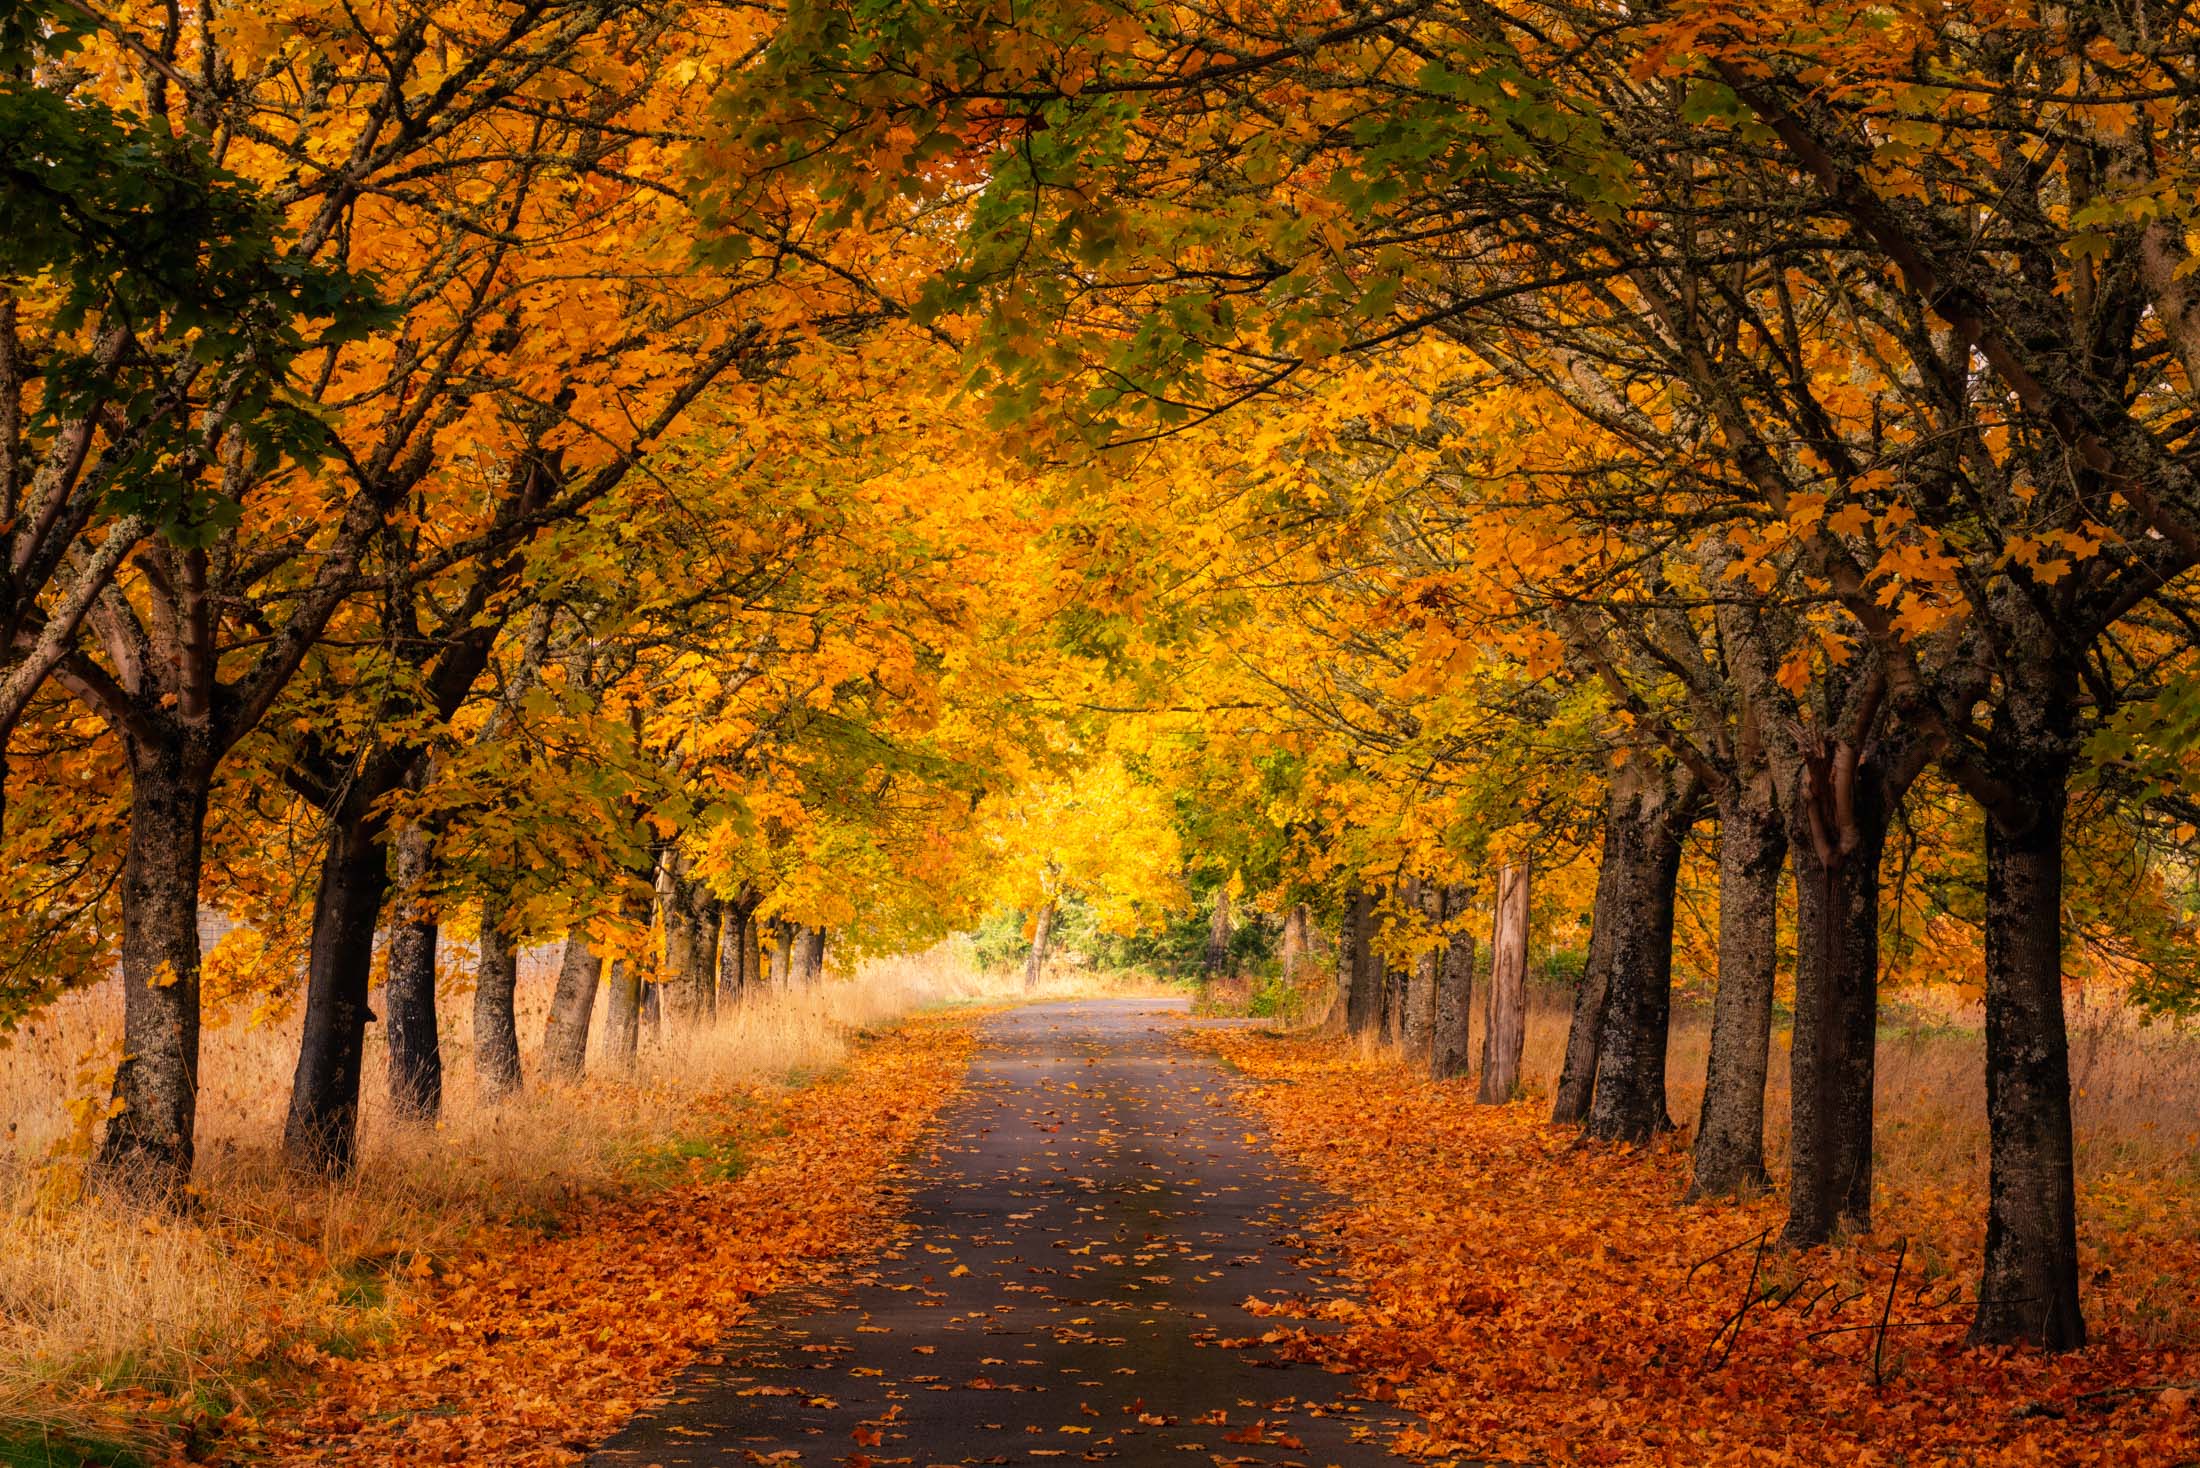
1535,1298
532,1353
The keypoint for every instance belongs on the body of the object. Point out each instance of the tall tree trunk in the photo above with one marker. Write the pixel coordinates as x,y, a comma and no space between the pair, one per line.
2028,1292
1042,940
809,955
752,956
1298,943
622,1018
1454,1007
1577,1075
572,1008
496,1024
1730,1131
321,1132
1363,1007
690,980
1505,1026
148,1147
1832,1061
735,966
416,1050
782,953
1420,997
1215,962
1394,978
1644,845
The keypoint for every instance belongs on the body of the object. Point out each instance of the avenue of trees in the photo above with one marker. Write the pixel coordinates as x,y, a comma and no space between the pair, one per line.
716,487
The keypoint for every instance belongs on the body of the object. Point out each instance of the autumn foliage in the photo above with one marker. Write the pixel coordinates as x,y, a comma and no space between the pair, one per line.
1402,512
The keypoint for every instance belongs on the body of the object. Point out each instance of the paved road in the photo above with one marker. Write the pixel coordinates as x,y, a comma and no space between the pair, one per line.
1091,1216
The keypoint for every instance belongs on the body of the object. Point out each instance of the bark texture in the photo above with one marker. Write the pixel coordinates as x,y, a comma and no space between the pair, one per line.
1454,1008
1577,1077
1042,944
1643,839
572,1009
1215,961
410,1021
321,1131
1363,1005
809,955
2028,1292
1420,997
691,978
1730,1131
1505,1026
149,1143
736,942
496,1025
1832,1062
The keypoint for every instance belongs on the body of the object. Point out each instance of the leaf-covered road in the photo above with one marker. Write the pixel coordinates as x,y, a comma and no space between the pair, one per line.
1088,1225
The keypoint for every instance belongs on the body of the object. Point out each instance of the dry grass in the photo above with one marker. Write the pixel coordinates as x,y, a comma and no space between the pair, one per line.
104,1312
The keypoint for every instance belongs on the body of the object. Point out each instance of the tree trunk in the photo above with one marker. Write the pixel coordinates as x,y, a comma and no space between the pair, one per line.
752,957
1505,1025
572,1007
1363,1006
496,1026
321,1132
148,1147
1730,1131
809,956
1836,1021
2029,1290
1643,845
782,952
1298,944
1420,1011
690,981
1215,962
622,1020
1454,1007
733,927
1577,1076
1042,939
416,1050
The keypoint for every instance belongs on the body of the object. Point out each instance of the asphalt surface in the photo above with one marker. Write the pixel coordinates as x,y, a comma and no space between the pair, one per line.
1089,1217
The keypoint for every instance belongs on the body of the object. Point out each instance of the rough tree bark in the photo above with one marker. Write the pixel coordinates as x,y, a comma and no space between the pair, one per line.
1363,1006
690,981
782,963
572,1008
496,1025
1643,837
752,954
1042,940
1730,1131
809,955
736,965
1505,1025
1215,961
148,1147
321,1129
2028,1291
1577,1076
1839,805
408,997
1420,997
1454,991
